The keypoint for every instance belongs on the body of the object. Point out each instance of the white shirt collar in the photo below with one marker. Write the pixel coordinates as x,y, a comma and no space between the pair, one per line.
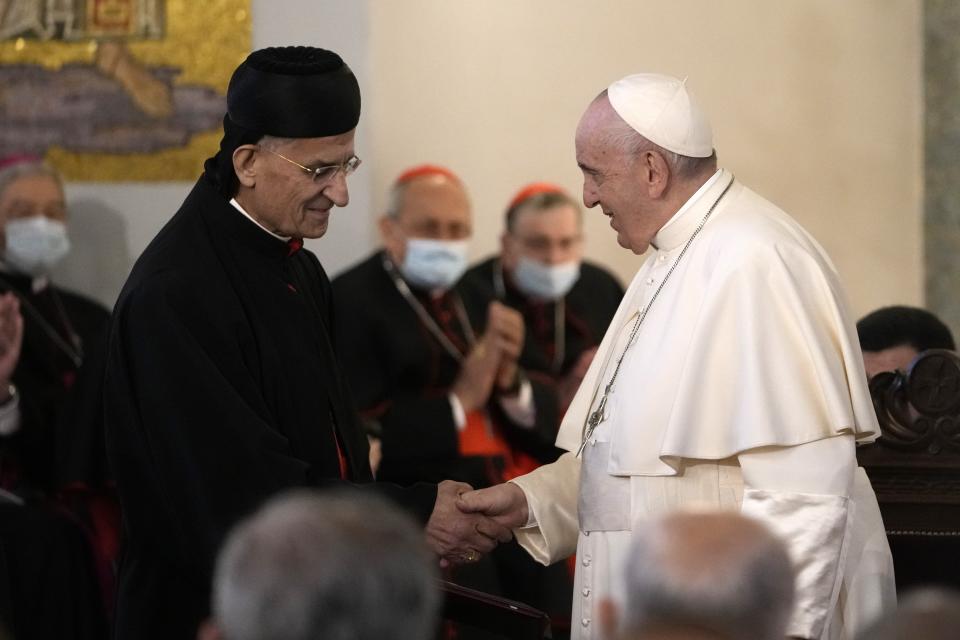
696,196
236,205
675,232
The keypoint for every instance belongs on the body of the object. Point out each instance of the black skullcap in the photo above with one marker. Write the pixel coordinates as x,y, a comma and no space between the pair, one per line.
294,92
286,92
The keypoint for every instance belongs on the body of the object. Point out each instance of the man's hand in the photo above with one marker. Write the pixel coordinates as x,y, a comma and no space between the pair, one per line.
457,536
11,339
477,375
505,503
506,331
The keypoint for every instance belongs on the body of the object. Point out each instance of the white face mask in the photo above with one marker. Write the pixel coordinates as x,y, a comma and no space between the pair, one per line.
434,264
36,244
545,281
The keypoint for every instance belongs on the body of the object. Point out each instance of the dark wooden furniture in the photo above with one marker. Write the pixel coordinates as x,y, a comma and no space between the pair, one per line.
915,467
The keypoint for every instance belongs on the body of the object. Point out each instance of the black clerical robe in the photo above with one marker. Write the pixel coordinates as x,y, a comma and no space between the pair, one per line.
221,388
48,567
588,308
402,377
58,328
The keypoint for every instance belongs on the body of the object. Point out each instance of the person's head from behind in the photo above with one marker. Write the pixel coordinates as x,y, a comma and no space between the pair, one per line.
891,337
717,575
33,215
644,147
542,245
338,566
288,144
427,226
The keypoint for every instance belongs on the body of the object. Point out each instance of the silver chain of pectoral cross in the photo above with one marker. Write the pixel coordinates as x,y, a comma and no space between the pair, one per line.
597,416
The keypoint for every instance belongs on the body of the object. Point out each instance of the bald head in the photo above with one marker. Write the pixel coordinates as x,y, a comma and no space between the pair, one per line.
719,572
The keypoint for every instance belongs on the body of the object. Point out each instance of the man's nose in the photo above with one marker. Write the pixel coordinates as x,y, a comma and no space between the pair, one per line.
590,198
337,190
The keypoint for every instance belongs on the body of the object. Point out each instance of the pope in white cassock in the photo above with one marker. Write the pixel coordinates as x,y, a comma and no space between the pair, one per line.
731,377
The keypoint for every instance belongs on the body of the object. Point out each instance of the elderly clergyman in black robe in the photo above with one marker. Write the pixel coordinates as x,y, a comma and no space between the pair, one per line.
221,385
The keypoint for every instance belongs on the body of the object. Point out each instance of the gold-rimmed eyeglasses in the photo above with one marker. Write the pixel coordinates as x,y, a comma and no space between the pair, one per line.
325,173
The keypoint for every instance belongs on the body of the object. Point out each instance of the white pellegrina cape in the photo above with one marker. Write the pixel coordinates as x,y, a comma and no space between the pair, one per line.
744,389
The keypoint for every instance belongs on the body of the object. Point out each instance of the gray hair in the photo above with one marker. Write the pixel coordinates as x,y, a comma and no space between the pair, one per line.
720,572
338,566
27,169
621,136
273,142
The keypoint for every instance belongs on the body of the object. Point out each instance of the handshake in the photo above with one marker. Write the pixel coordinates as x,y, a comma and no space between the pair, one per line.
465,524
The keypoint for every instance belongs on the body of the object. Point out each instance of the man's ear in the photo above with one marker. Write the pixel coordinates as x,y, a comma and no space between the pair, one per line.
656,173
386,226
244,164
505,245
392,238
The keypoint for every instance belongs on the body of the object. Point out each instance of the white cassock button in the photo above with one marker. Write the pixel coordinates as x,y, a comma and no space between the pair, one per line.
649,280
585,622
586,533
586,561
661,257
586,592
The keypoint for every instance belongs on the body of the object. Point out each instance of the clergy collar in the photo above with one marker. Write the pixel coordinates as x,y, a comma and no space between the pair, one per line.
679,227
224,221
236,205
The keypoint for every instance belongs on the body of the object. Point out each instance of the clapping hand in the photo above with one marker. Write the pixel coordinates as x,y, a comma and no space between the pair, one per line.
506,331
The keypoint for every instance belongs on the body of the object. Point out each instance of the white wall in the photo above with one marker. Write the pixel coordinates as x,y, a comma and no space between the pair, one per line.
816,104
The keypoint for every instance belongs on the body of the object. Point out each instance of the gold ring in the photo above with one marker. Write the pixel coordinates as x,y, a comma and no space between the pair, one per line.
472,556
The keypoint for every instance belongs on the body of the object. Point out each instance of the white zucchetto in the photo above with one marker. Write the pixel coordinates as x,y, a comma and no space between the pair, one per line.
662,110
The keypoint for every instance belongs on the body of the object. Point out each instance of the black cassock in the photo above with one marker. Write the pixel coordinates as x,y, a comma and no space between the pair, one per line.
221,389
59,327
48,579
587,310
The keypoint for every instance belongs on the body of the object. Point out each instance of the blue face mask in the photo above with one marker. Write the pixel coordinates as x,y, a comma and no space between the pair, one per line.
545,281
35,244
434,264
